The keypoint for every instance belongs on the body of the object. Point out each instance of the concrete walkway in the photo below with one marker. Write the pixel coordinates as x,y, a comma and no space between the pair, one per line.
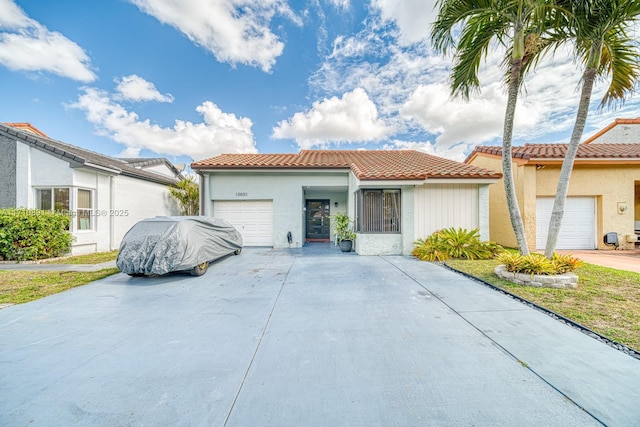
56,267
287,338
628,260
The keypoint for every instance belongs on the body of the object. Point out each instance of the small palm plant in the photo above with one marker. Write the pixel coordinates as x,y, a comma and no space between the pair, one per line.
455,243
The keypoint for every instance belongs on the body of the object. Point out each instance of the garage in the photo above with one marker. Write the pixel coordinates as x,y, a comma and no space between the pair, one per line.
253,218
578,223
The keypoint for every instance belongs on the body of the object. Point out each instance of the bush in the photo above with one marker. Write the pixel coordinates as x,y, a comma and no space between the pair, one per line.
455,243
31,234
539,264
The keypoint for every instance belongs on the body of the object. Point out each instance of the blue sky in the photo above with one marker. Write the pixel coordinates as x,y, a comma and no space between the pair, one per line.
192,79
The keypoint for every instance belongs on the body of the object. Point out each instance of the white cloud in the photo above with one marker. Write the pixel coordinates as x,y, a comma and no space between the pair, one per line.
352,118
235,31
412,17
26,45
456,152
218,133
135,88
340,4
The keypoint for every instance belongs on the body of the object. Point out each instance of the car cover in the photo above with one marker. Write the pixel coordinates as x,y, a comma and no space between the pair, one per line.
175,243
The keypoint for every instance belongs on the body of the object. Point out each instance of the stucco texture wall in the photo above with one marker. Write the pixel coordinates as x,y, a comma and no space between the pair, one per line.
286,190
611,185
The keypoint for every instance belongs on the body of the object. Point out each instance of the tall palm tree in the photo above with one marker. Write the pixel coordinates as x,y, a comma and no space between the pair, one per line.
517,24
600,31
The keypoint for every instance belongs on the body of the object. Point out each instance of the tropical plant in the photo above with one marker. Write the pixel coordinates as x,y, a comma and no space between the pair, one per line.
539,264
31,234
342,225
517,24
454,243
602,31
187,193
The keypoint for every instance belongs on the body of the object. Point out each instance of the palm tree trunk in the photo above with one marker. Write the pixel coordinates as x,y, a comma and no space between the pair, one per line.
507,162
567,165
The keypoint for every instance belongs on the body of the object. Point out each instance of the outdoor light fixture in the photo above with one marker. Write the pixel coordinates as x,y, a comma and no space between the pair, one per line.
335,204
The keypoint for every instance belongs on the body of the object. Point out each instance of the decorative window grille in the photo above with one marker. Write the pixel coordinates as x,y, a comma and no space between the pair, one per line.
378,211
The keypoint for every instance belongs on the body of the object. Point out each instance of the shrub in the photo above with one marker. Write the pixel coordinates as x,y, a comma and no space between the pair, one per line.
539,264
31,234
455,243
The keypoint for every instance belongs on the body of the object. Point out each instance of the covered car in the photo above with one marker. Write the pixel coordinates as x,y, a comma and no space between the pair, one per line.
167,244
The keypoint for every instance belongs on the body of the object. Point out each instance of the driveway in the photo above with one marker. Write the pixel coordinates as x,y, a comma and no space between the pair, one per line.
304,338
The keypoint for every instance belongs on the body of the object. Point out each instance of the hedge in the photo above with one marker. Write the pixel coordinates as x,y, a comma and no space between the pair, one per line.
31,234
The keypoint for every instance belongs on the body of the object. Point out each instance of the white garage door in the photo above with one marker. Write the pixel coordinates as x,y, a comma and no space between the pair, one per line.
578,223
253,219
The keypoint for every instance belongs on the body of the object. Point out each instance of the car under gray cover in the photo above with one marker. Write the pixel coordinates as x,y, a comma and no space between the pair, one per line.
167,244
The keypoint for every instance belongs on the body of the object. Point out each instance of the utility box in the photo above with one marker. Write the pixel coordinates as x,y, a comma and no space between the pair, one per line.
611,239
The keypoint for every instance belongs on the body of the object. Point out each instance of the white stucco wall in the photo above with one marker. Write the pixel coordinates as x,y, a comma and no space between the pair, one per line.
620,134
285,189
24,194
135,200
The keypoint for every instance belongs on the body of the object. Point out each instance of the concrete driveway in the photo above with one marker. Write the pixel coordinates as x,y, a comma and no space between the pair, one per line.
304,338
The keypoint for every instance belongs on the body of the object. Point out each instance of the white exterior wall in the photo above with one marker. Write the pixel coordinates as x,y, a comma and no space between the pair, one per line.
285,189
441,206
24,193
160,169
97,238
620,134
135,200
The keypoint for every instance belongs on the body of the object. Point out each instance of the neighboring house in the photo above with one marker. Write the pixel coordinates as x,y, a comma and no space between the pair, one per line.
621,131
603,196
104,195
394,197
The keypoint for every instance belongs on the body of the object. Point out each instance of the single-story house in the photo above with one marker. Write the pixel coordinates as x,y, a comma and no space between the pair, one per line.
104,195
603,195
394,197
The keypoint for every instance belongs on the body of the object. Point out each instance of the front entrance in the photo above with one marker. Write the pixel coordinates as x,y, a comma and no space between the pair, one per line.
318,223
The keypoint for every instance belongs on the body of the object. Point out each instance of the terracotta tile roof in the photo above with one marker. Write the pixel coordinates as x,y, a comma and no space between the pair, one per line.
365,164
557,151
27,127
606,129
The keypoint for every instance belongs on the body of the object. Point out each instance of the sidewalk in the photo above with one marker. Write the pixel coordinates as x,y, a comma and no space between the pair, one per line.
56,267
622,260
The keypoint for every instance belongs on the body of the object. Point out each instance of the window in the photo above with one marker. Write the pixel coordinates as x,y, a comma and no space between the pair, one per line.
378,211
83,211
53,199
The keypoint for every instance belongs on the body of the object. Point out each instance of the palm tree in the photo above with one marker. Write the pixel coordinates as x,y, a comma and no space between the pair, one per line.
517,24
599,29
186,193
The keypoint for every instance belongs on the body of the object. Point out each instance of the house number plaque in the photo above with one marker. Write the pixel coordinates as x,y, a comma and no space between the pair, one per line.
242,194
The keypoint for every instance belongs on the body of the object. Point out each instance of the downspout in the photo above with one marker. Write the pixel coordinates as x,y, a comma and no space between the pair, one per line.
202,212
111,217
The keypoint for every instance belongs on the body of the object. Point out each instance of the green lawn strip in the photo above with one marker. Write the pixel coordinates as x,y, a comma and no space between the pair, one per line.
606,300
17,287
95,258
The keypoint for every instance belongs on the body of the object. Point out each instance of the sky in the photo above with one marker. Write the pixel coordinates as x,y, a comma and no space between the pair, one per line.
192,79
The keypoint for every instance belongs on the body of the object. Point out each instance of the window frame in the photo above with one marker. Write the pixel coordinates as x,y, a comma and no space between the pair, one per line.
86,211
387,211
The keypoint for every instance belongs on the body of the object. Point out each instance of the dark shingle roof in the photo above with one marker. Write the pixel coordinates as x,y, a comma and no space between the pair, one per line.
80,157
365,164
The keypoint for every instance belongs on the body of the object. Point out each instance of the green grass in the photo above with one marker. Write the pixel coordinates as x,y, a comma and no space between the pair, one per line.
17,287
95,258
606,300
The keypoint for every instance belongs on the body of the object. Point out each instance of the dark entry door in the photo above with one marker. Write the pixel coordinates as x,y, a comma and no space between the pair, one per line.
318,227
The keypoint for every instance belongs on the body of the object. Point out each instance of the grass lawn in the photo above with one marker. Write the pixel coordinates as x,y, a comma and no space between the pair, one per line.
17,287
606,300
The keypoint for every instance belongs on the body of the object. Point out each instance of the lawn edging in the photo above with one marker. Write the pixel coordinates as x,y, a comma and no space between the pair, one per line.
613,344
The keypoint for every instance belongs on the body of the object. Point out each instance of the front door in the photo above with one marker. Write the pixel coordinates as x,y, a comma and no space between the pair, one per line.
318,220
